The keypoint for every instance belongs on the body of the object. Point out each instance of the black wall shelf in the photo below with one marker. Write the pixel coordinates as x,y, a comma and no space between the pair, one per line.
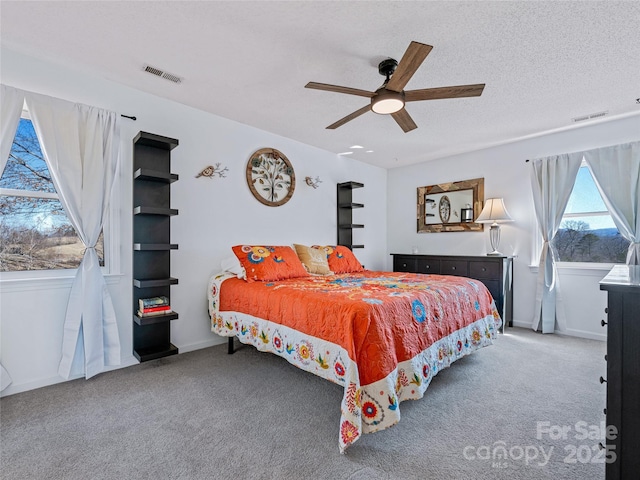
152,245
154,175
346,205
158,282
155,246
155,318
155,211
146,354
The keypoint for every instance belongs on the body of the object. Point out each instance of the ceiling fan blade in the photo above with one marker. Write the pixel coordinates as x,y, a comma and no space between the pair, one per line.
404,120
339,89
409,63
444,92
349,117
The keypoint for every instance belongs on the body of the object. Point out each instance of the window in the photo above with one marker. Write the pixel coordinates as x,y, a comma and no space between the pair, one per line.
35,233
587,232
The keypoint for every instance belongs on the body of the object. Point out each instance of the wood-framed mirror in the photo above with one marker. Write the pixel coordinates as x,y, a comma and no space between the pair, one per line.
450,207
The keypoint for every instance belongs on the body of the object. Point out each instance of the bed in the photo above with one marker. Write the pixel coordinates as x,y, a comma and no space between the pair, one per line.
383,336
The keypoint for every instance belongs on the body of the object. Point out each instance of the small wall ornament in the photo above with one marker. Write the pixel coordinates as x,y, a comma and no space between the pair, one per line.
212,170
313,182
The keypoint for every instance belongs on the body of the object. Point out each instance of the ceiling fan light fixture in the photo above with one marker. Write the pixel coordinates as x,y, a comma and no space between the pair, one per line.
387,101
390,97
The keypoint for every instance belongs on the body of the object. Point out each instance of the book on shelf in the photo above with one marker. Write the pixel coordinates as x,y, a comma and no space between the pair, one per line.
160,308
153,302
153,314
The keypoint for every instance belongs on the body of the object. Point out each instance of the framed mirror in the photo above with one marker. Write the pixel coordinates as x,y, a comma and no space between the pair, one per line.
450,207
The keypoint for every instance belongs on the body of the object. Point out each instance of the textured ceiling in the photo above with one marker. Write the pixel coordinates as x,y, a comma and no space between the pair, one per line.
543,63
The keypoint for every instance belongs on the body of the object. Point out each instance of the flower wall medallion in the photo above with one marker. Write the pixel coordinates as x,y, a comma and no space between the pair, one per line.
270,177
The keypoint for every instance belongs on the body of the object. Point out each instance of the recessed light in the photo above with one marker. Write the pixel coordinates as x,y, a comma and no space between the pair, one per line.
346,153
369,151
356,146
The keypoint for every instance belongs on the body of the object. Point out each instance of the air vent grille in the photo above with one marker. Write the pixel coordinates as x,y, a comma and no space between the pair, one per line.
162,74
591,116
171,77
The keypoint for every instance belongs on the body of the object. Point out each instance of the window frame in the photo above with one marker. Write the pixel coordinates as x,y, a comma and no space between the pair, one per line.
579,268
110,230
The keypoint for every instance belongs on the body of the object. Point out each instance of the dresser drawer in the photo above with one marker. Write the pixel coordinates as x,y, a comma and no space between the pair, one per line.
496,292
484,269
454,267
428,265
404,264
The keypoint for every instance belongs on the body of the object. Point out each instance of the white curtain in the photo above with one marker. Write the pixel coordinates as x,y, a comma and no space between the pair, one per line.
616,171
80,145
11,102
552,180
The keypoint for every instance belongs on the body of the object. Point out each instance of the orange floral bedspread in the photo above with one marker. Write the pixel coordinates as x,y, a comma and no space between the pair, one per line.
382,335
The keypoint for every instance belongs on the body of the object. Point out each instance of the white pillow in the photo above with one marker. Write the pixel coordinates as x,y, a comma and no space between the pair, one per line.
232,264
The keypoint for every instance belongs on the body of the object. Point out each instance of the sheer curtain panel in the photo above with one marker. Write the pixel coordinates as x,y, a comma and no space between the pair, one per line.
616,171
552,180
11,101
80,145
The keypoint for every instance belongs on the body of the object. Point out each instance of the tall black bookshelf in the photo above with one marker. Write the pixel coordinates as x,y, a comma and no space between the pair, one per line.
345,214
152,212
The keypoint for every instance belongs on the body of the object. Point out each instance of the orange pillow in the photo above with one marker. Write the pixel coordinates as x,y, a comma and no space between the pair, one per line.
341,259
265,263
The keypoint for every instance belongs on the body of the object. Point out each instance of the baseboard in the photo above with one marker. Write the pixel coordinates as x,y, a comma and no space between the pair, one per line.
570,332
200,345
125,362
47,381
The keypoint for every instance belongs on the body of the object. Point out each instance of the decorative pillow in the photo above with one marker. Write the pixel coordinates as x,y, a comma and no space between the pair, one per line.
341,259
232,264
313,259
266,263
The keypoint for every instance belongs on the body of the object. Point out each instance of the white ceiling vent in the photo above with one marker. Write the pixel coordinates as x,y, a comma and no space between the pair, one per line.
591,116
162,74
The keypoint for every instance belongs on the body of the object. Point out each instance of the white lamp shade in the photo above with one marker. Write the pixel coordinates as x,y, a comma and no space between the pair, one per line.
389,105
387,101
494,212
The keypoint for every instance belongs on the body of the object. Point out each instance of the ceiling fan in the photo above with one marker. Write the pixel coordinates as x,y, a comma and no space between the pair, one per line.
390,98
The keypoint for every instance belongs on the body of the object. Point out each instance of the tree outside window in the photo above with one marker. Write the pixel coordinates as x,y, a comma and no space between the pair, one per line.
35,233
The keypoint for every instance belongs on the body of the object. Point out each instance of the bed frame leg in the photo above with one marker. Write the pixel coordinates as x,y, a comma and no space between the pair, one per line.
230,349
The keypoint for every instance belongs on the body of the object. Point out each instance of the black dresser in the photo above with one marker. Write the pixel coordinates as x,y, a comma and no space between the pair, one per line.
623,372
496,272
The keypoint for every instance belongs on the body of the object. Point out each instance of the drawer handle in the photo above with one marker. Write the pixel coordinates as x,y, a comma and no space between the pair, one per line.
484,269
404,265
427,267
453,268
604,410
603,323
602,380
602,447
605,358
606,310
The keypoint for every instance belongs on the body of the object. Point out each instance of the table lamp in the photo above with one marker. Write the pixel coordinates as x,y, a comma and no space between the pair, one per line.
494,213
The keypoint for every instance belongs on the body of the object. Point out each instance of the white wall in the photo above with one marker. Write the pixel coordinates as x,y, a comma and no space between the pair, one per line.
214,215
507,175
